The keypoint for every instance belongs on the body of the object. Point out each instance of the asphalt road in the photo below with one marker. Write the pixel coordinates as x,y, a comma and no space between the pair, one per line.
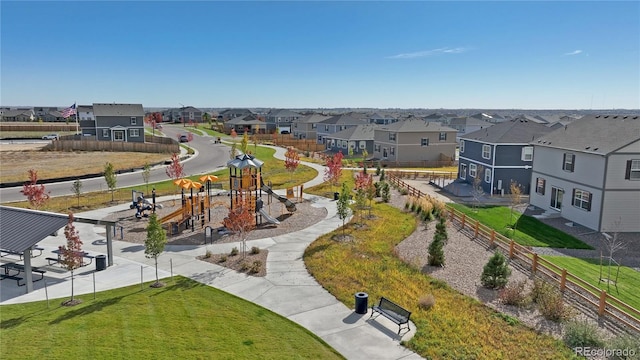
208,157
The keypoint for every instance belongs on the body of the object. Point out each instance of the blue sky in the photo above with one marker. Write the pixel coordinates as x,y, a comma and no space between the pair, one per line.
525,55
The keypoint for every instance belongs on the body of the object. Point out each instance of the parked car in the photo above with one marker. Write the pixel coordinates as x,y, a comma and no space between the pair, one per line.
51,137
184,138
285,132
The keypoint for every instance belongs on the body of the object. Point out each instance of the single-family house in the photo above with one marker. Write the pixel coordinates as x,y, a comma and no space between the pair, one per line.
414,139
17,115
336,123
466,125
281,119
186,114
358,138
87,120
382,119
499,154
118,122
229,114
249,123
305,127
588,172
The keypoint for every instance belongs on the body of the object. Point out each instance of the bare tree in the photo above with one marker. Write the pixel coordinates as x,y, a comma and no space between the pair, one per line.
477,191
515,193
613,242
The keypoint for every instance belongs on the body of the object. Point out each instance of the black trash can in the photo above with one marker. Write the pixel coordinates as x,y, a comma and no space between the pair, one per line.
362,302
336,195
101,262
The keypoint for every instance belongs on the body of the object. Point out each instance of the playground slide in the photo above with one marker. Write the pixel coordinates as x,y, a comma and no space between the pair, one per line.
291,207
168,217
269,219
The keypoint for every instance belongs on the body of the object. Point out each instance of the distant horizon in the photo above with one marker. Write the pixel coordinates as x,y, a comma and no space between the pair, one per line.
529,55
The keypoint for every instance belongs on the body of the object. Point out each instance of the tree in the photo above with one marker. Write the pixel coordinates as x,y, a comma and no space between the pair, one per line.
364,190
71,254
154,243
175,170
291,160
76,187
36,194
234,134
343,205
190,136
515,191
441,229
477,191
146,175
207,118
244,143
613,243
365,155
233,152
110,178
240,221
436,251
350,151
334,169
495,273
386,191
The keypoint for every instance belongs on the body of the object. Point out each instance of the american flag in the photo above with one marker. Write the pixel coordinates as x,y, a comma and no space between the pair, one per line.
71,110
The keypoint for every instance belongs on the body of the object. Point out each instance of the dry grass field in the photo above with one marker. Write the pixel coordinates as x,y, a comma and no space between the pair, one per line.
17,159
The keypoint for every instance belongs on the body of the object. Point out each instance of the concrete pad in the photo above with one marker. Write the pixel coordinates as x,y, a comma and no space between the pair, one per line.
292,278
364,342
329,319
285,266
249,289
285,256
290,300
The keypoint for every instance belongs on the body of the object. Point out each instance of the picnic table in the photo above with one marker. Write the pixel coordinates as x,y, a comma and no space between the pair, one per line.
20,268
4,252
83,254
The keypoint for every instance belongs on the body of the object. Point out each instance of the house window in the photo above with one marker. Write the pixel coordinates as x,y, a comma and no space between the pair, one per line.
527,153
363,144
313,126
633,170
384,153
118,135
486,151
352,144
191,117
461,146
344,144
326,128
134,120
443,136
105,133
472,170
582,199
319,138
424,142
377,148
392,150
295,125
487,176
134,132
392,136
463,171
568,162
540,185
332,142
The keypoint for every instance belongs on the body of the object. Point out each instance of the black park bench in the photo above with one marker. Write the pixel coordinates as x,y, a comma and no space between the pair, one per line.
393,312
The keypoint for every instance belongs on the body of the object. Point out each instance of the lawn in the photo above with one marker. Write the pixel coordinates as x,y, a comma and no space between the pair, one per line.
529,231
458,327
589,271
184,320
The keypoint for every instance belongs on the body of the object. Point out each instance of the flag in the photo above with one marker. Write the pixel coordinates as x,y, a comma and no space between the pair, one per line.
71,110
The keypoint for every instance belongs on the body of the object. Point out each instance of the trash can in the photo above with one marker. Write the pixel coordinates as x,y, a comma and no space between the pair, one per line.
101,262
362,302
336,195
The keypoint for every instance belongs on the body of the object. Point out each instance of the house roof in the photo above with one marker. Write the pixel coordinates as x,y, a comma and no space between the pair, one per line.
512,131
245,161
12,113
416,125
245,120
381,116
282,113
236,111
597,134
344,119
84,108
118,110
360,132
312,118
467,121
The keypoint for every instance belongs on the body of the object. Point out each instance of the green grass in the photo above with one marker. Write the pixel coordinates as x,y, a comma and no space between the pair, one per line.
529,231
183,320
457,327
589,271
325,189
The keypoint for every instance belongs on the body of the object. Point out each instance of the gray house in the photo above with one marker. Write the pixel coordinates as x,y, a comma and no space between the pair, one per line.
249,123
588,172
281,119
305,127
117,122
234,113
184,114
358,138
336,123
413,140
467,125
382,119
500,154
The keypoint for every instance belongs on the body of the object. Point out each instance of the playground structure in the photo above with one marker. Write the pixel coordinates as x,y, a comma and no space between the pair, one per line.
246,185
191,211
143,205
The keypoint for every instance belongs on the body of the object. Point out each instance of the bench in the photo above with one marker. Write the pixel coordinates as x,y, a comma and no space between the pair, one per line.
84,254
52,260
20,268
393,312
12,277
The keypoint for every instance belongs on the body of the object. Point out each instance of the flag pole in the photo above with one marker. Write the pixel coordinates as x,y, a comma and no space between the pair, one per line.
77,124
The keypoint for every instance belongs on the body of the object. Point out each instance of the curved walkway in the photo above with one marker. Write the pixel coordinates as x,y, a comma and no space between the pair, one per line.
287,289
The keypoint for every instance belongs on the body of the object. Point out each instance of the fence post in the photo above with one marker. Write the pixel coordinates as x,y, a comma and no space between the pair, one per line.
603,302
563,280
451,215
511,246
464,217
493,237
475,231
534,264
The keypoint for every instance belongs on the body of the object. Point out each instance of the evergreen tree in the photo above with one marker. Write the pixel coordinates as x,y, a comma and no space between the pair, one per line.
436,251
496,272
441,229
382,175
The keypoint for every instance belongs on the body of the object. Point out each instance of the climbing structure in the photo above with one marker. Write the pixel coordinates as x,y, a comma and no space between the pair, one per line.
244,181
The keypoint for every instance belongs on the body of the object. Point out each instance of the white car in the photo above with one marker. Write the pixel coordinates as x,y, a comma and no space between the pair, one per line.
51,137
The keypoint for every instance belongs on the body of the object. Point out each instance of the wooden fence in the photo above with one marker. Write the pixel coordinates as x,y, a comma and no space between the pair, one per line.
591,296
93,145
46,127
411,164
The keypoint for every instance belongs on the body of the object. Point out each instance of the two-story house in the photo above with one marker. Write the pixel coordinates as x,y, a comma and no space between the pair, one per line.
414,139
336,123
358,138
467,125
118,122
247,123
382,119
588,172
186,114
229,114
500,154
305,127
281,119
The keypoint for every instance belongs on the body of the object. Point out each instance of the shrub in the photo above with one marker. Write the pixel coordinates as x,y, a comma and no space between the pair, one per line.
406,205
223,258
540,287
552,307
382,175
207,254
625,341
255,250
404,191
438,284
514,293
426,302
385,192
244,266
508,318
256,266
495,273
436,251
418,209
582,334
378,169
234,251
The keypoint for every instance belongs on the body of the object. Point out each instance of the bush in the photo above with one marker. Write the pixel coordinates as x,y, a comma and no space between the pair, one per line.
495,273
540,287
385,192
255,250
223,258
426,302
382,175
436,251
552,307
234,251
207,254
582,334
514,294
244,266
508,318
625,341
378,168
256,267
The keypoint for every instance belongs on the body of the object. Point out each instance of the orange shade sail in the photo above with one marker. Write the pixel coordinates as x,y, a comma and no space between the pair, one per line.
211,178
